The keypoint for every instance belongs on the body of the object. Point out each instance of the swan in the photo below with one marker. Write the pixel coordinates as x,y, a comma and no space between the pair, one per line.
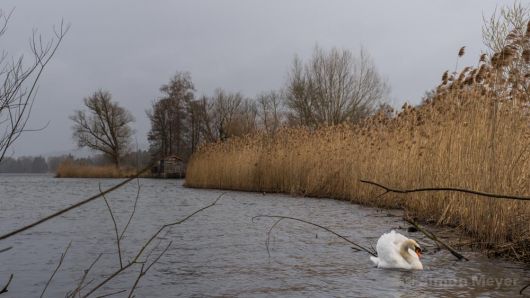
397,251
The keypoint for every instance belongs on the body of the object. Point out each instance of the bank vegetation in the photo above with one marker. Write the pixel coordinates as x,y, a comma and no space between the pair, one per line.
472,131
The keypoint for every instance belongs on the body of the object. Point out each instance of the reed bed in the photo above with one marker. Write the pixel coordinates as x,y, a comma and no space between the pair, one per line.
78,170
473,133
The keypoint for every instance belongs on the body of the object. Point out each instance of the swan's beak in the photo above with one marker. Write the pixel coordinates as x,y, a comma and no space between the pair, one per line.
418,251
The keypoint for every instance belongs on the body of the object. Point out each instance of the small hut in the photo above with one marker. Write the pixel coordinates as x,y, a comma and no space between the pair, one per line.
170,167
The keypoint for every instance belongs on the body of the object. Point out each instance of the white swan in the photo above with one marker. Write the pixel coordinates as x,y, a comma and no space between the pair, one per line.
397,251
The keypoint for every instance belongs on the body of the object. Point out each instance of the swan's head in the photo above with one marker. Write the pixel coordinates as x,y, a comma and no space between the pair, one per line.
411,246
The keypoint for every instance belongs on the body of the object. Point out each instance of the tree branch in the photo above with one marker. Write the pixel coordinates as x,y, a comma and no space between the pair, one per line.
74,206
357,246
434,238
63,255
4,289
454,189
146,244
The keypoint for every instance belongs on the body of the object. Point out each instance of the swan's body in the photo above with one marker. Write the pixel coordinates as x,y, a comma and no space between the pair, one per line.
397,251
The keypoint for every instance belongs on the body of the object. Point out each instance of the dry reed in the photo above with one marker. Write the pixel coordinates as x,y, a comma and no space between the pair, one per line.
474,133
70,169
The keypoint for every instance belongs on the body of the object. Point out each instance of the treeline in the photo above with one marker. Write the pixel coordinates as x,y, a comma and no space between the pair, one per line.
24,164
331,87
39,164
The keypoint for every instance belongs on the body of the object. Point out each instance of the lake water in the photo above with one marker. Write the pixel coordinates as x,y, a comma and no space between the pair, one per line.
221,252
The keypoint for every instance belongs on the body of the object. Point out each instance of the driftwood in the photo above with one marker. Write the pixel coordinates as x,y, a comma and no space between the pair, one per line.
279,217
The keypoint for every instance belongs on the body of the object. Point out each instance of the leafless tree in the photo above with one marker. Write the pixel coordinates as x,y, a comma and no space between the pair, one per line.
506,34
270,111
169,117
18,81
501,23
104,126
334,87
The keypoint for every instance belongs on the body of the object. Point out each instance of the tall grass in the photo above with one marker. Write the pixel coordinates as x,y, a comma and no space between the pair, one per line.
474,133
69,169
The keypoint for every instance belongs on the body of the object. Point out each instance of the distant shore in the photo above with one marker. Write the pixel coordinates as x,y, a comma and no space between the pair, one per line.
74,170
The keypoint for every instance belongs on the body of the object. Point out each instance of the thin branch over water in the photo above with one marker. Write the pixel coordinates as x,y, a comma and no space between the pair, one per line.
357,246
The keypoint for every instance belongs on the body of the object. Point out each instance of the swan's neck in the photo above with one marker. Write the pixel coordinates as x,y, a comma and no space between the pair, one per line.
409,256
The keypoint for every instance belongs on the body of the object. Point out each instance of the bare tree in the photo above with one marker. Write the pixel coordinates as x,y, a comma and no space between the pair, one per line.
169,115
104,127
501,23
270,111
334,87
507,36
18,81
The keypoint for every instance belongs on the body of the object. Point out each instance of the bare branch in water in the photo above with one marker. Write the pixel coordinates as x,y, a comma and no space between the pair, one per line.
454,189
436,239
360,247
63,255
267,241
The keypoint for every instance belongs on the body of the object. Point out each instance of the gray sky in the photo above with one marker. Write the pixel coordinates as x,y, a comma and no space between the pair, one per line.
130,48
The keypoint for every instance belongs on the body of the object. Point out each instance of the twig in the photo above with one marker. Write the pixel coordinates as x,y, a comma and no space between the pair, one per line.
146,244
63,255
134,208
80,286
144,272
267,241
115,228
113,293
434,238
4,289
479,193
76,205
319,226
5,249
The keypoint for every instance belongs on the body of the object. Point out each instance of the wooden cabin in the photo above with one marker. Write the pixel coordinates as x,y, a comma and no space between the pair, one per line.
170,167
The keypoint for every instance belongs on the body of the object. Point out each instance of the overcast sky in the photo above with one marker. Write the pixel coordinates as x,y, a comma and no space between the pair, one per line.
130,48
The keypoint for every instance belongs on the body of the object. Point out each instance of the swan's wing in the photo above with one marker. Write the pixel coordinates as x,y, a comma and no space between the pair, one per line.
388,254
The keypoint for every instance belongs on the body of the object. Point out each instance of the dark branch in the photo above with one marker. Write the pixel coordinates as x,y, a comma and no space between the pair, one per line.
434,238
4,289
146,244
63,255
454,189
79,204
360,247
118,238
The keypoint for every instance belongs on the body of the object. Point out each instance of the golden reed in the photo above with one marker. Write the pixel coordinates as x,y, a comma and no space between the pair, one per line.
70,169
473,133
